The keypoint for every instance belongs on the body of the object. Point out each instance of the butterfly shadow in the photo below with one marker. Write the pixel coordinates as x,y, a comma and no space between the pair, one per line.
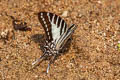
66,47
37,38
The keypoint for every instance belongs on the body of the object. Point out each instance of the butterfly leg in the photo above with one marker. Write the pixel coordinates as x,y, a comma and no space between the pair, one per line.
38,60
50,62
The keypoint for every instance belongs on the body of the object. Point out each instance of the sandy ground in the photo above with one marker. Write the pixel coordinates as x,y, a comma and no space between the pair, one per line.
92,55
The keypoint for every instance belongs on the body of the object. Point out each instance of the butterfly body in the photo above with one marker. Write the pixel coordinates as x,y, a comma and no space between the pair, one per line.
57,34
49,49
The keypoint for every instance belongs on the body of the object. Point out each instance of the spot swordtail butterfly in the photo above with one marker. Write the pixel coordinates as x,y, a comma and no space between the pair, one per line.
57,34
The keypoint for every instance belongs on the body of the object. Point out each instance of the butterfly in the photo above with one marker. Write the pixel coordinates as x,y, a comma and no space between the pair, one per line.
57,34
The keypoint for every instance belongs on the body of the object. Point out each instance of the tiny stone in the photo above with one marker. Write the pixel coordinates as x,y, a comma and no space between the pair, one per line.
70,65
118,41
4,34
36,76
80,15
104,34
65,14
99,2
7,56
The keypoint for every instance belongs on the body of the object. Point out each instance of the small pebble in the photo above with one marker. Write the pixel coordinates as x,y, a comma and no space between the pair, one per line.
99,2
4,34
65,14
118,41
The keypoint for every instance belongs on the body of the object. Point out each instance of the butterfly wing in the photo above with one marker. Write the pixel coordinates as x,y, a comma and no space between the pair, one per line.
56,31
64,38
53,25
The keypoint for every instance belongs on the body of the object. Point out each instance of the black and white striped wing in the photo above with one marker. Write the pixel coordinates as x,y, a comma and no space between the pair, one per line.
53,25
64,38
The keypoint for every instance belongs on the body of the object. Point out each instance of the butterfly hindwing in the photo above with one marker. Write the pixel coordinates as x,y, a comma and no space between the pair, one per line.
64,38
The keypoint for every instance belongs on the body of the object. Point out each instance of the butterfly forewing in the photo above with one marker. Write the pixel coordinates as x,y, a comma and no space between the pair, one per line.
53,25
43,18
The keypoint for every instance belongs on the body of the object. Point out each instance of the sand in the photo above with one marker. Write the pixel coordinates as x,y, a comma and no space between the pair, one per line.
92,55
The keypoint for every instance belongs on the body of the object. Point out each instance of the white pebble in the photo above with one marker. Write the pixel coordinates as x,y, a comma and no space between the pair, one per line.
118,41
65,14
